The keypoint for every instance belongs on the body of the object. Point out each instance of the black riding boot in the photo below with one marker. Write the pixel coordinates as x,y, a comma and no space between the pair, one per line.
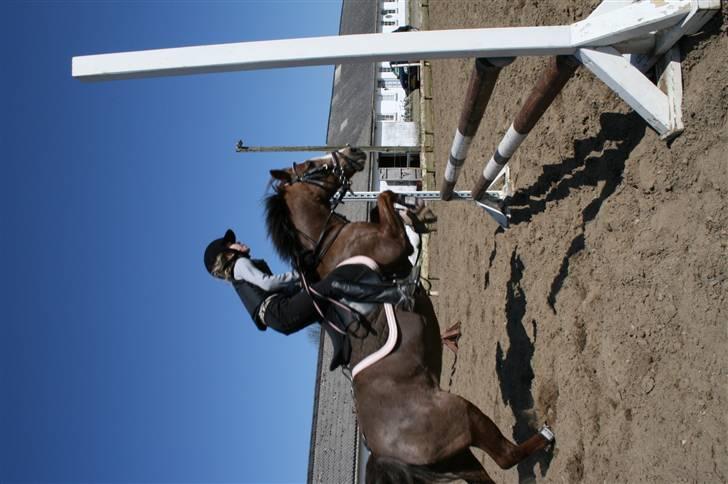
373,293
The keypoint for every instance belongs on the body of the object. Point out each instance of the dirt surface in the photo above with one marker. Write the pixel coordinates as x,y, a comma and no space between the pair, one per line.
602,310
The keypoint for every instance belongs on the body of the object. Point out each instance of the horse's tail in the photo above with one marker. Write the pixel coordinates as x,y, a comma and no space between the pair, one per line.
385,470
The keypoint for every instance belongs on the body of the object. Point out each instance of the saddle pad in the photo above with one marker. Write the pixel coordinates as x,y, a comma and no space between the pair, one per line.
384,350
391,321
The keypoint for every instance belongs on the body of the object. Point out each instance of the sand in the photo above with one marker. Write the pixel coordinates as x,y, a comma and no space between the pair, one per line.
602,309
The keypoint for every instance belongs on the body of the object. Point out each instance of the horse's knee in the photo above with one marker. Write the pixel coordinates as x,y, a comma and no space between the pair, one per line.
388,195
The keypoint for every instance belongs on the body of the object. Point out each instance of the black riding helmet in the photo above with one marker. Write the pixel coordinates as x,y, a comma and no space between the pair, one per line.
216,247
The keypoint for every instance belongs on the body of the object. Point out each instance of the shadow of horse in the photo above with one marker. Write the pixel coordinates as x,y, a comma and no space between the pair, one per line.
556,182
515,372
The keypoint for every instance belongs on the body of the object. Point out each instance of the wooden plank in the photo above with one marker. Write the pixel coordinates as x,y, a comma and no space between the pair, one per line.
630,21
630,84
670,81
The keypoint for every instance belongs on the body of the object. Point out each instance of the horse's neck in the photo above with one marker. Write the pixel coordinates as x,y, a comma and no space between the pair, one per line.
316,225
309,216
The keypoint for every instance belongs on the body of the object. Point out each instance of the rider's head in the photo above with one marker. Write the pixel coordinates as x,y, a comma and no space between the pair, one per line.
221,254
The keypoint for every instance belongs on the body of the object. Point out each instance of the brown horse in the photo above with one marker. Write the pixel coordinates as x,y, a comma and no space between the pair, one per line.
416,432
300,217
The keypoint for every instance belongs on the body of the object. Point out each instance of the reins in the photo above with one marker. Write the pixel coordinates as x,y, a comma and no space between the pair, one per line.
313,177
316,177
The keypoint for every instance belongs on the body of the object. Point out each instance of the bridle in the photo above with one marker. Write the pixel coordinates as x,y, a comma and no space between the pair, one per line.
318,176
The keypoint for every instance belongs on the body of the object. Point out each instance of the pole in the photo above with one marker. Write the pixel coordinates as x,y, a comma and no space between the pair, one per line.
480,87
553,79
241,148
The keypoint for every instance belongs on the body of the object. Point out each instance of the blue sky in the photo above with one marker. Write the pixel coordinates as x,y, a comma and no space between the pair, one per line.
121,360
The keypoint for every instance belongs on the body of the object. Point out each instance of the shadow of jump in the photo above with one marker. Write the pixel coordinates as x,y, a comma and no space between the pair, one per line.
557,181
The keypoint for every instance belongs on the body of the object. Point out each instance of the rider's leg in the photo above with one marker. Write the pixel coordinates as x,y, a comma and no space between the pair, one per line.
357,282
290,313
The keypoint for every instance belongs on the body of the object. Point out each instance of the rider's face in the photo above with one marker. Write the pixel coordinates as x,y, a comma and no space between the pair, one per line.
240,247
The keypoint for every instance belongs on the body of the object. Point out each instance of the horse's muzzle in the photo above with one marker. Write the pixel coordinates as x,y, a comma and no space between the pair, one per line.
355,157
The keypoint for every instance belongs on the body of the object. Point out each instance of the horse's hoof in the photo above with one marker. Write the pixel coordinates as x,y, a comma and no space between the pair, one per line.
547,433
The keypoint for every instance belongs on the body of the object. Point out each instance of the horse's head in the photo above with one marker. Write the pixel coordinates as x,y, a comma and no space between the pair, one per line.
299,209
328,172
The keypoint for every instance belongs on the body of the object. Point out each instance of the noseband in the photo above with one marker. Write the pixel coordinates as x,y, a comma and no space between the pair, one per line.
317,176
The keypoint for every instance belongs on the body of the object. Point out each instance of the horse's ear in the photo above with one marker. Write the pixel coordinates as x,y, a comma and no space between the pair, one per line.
282,175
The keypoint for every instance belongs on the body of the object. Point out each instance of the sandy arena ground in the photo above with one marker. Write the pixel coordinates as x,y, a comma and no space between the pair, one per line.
603,309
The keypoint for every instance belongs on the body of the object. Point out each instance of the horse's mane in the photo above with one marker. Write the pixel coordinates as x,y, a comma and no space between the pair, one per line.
280,228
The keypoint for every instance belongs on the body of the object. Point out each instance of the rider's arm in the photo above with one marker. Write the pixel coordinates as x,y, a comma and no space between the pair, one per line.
245,270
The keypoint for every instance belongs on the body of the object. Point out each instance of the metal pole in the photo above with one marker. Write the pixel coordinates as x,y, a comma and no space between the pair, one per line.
240,148
482,81
422,195
558,71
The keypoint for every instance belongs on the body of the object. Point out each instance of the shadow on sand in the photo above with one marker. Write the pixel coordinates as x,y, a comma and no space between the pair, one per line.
514,367
515,371
624,131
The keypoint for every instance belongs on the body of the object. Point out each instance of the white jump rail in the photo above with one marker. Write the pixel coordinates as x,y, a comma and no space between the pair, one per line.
460,195
618,25
618,42
488,202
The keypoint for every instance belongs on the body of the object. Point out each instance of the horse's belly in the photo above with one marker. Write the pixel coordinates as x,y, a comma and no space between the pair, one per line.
410,422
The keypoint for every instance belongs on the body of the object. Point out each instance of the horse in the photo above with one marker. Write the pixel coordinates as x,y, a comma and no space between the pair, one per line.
416,432
303,202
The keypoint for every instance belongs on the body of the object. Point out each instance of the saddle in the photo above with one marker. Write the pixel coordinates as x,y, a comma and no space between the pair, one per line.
357,304
364,295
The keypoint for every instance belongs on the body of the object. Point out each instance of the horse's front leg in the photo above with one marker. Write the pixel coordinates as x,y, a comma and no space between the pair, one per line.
390,223
393,238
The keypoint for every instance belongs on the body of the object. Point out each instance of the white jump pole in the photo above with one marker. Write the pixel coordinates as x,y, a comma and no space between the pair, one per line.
615,25
617,42
342,49
602,41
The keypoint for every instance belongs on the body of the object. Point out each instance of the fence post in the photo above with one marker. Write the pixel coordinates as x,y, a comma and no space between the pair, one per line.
480,87
554,77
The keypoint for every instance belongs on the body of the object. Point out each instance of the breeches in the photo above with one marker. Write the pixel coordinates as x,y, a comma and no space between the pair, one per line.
288,314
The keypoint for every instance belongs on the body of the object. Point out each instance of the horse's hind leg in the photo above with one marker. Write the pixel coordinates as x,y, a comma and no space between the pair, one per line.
465,466
452,425
489,438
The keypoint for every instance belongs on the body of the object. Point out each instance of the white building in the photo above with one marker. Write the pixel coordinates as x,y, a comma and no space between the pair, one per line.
394,125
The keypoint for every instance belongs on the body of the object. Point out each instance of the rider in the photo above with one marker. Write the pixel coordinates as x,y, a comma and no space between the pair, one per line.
279,302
